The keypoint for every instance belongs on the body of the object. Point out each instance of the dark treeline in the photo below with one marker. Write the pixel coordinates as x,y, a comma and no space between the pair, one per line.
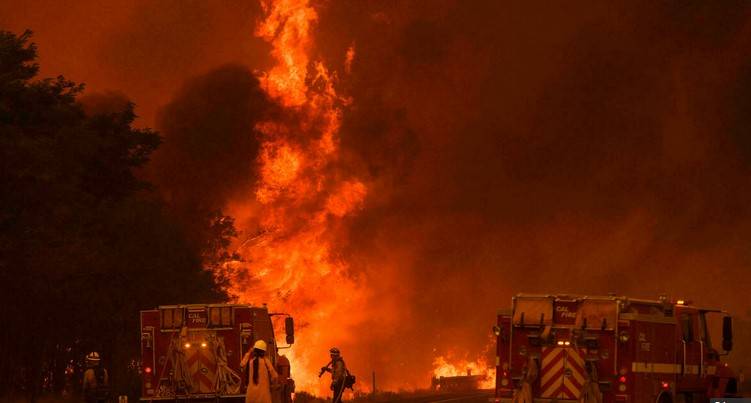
84,242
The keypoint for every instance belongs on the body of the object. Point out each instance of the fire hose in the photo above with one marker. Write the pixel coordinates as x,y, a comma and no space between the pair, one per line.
180,373
228,382
523,394
591,390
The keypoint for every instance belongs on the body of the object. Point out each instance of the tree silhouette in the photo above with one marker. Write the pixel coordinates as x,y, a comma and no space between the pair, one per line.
84,242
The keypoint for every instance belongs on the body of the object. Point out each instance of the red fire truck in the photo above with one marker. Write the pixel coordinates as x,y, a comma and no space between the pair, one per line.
568,348
193,352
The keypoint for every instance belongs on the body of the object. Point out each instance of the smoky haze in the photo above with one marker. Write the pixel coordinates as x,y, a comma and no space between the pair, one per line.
580,148
514,148
140,47
210,138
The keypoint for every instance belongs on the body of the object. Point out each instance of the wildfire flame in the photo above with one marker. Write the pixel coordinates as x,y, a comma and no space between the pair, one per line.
443,367
287,27
291,219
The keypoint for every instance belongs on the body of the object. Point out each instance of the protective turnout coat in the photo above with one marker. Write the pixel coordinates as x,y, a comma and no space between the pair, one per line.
261,392
338,372
95,390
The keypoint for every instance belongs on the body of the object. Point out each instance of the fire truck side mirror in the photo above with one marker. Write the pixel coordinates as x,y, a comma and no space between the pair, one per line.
727,333
289,328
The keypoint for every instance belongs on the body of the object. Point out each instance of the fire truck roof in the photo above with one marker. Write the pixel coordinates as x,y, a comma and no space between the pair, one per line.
615,298
202,306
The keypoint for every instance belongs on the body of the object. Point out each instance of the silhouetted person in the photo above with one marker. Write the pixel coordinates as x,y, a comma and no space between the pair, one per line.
338,371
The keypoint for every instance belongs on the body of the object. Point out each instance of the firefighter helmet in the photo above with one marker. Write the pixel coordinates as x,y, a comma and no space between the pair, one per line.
334,351
92,356
260,345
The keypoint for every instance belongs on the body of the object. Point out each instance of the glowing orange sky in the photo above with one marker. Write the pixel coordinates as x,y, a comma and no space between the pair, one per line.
577,148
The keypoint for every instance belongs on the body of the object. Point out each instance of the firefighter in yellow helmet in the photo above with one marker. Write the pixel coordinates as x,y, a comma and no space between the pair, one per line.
95,380
338,371
261,374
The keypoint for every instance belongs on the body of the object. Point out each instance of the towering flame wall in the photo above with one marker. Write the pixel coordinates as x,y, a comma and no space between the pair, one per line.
302,195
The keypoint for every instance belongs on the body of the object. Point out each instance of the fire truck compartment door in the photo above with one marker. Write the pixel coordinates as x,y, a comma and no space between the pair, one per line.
532,310
562,373
598,314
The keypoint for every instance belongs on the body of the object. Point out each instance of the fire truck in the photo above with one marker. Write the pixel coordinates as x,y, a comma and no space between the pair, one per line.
193,352
569,348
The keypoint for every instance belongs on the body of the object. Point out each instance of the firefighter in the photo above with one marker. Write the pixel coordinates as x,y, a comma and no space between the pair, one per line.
95,380
261,374
338,371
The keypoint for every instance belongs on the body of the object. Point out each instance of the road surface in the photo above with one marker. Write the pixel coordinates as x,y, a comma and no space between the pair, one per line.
465,397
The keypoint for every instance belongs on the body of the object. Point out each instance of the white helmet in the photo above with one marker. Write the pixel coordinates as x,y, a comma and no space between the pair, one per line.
260,345
92,356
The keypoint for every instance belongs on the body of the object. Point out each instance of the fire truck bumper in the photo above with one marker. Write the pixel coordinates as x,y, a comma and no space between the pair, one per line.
196,398
536,400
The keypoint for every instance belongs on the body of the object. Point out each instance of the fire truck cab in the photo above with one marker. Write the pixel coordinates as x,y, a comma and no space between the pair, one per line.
569,348
193,352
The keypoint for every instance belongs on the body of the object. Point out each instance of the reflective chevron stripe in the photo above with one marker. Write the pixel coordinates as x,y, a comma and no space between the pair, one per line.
573,380
563,373
202,366
552,369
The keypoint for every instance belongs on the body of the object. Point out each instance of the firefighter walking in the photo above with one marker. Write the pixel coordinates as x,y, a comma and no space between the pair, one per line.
95,380
338,371
261,374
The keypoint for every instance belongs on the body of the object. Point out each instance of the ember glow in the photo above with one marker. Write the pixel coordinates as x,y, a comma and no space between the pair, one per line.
300,199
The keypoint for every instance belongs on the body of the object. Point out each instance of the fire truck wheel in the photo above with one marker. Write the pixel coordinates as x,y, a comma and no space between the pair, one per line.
664,397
